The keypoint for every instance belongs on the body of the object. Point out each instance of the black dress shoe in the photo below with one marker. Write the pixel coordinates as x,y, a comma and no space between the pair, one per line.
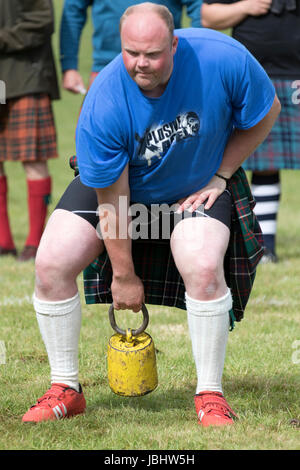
6,251
268,257
28,253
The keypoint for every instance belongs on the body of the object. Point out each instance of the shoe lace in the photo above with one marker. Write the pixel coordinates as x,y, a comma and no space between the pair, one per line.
51,397
213,403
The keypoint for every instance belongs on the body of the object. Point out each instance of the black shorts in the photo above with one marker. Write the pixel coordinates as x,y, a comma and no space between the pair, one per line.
82,201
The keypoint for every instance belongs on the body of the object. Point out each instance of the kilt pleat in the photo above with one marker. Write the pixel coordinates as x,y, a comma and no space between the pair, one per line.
27,129
281,148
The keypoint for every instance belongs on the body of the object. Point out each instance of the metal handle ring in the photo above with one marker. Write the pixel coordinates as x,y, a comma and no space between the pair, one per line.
136,332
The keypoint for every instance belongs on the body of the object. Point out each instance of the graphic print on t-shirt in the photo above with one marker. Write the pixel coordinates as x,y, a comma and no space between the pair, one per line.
157,140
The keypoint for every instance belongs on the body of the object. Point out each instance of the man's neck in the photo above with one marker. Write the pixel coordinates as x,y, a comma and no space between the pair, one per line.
156,92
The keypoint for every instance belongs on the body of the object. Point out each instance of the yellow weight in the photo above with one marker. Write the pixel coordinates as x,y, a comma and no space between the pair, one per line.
131,360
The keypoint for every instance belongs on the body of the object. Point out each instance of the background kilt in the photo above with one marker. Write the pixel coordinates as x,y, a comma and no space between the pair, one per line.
281,149
27,129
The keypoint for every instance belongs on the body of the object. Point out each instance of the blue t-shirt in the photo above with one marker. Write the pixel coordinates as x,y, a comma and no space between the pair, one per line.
174,143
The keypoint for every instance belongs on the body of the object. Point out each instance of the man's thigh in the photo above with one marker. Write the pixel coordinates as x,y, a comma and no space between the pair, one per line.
203,238
80,200
70,237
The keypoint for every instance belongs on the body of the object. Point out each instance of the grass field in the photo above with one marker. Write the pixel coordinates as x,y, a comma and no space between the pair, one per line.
262,370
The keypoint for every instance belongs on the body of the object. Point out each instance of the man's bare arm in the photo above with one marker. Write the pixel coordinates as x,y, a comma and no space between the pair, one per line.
240,146
242,143
127,288
222,16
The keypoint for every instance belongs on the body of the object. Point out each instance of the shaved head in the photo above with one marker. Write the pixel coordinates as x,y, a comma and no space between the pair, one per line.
148,7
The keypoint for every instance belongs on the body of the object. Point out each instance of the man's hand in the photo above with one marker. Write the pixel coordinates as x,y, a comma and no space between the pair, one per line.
257,7
127,292
222,16
210,192
73,82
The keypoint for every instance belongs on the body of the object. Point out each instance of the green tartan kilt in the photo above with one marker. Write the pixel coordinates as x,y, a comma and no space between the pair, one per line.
155,266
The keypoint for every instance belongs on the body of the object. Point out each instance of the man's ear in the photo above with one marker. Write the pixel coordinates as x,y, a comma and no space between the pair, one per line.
174,44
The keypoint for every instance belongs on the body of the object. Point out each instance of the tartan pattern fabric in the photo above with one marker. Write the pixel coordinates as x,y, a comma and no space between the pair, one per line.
27,129
281,148
155,266
74,165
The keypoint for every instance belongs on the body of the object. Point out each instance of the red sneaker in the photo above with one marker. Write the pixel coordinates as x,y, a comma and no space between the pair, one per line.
213,410
60,401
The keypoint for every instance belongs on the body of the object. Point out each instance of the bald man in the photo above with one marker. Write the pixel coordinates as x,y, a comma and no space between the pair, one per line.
169,121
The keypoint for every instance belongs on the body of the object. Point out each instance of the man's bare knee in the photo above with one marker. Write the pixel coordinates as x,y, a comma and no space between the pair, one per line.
204,276
54,279
69,244
207,277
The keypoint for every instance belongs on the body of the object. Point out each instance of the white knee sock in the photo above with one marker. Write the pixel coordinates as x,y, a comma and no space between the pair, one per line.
59,324
208,326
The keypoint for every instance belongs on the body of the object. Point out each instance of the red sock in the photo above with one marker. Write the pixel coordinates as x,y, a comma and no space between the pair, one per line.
6,239
38,198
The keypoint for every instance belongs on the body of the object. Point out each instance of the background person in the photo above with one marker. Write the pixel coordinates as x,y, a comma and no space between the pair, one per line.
270,31
106,42
27,129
